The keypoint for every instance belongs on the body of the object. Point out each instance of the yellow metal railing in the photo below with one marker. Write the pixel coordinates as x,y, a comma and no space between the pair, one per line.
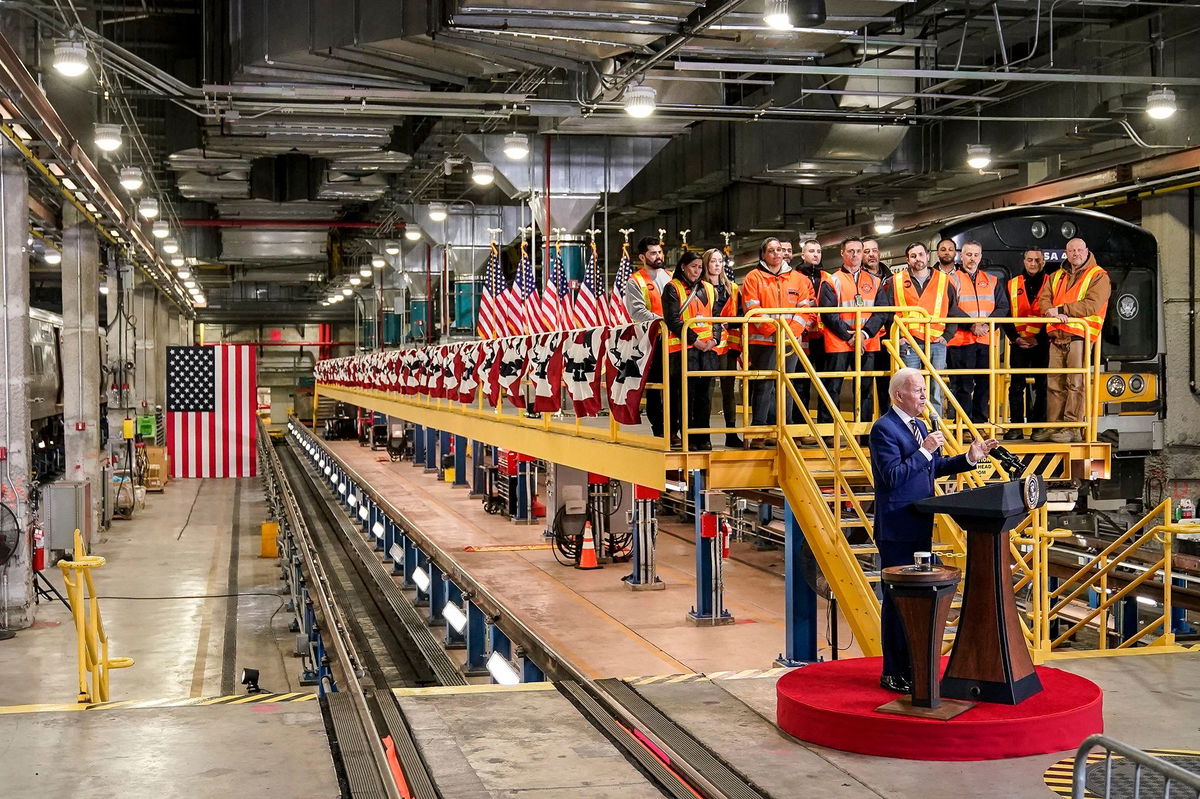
91,642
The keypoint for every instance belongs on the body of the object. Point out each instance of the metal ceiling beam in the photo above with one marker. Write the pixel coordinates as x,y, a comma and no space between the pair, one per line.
932,74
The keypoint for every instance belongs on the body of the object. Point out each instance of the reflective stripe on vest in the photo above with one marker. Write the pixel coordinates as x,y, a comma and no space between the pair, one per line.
976,298
852,292
650,291
1061,294
700,305
786,290
935,302
1021,304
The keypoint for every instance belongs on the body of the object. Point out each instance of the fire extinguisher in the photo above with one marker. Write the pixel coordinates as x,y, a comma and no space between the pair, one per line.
726,532
38,540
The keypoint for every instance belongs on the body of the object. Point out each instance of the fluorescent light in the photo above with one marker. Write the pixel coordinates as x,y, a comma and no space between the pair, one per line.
148,207
885,222
516,147
454,616
107,136
70,57
482,173
391,248
437,211
130,177
52,256
377,529
503,672
328,470
161,229
640,101
341,488
978,156
396,553
363,513
351,500
421,578
1160,103
1145,600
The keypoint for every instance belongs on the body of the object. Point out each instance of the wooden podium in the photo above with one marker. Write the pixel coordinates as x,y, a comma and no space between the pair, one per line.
990,659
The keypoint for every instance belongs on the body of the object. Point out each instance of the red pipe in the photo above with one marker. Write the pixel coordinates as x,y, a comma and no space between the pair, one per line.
284,223
546,187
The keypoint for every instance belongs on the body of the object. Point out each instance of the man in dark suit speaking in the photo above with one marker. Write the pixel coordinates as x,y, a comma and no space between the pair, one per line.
905,459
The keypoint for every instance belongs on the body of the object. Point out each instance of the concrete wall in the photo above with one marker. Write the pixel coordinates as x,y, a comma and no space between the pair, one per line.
1167,218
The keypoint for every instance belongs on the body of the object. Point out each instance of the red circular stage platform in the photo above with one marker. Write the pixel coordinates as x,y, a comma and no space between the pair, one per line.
833,704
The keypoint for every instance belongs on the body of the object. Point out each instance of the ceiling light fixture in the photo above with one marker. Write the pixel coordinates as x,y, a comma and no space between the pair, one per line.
347,292
640,101
775,14
178,260
170,246
130,177
365,271
187,284
183,274
378,261
148,207
104,289
885,222
70,57
412,233
784,15
107,136
52,256
392,247
193,290
1160,103
355,281
482,173
516,146
160,229
978,155
437,211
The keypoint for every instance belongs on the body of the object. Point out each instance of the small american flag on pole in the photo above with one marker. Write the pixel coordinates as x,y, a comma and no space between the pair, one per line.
590,308
618,314
211,425
491,323
556,300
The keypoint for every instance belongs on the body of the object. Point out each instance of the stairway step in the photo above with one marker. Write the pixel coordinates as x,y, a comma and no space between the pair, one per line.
871,549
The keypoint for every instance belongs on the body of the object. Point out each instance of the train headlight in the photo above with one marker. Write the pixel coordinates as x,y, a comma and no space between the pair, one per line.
1137,384
1115,386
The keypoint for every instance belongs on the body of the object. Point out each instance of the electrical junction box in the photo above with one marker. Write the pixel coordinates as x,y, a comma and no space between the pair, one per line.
66,507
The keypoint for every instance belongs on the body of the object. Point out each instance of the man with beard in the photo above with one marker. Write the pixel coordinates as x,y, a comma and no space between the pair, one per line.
643,299
1029,348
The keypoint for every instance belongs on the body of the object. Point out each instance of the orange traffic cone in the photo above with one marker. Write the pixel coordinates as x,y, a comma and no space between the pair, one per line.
587,552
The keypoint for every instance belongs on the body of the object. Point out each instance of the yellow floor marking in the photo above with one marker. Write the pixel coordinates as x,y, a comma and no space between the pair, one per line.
450,690
283,697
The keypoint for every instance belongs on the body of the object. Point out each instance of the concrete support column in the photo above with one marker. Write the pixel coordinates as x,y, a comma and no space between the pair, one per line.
146,342
16,578
81,355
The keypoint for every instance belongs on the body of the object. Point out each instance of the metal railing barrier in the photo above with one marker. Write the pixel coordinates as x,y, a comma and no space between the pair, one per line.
1158,776
91,641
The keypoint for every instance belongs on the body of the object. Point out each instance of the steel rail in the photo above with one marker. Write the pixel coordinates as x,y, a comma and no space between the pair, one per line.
335,621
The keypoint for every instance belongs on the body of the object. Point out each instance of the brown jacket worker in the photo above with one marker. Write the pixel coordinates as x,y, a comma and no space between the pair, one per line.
1029,348
980,295
688,297
1077,295
850,287
643,299
772,284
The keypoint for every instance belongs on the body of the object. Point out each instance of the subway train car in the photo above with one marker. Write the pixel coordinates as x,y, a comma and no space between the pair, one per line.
46,395
1131,349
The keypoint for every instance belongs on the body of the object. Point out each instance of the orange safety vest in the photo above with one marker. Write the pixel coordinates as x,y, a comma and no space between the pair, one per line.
1087,327
852,292
1021,304
700,305
762,289
977,300
731,334
650,291
935,300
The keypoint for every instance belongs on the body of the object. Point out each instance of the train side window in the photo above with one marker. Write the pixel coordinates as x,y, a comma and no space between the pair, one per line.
1131,324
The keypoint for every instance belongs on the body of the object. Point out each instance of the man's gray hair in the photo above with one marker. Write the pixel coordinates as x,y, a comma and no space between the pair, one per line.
901,375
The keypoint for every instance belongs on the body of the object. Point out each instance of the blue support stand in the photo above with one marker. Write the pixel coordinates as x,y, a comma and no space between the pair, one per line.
454,639
418,445
710,607
476,663
478,475
1055,624
431,439
437,594
524,512
1179,622
1127,619
460,462
393,551
500,644
443,450
800,601
530,671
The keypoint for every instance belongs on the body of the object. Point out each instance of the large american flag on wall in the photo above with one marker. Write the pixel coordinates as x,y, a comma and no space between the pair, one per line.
211,425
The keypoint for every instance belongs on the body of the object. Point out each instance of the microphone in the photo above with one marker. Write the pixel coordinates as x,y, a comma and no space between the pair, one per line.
1009,462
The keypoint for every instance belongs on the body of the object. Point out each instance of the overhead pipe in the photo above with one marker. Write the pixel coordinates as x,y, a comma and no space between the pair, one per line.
285,223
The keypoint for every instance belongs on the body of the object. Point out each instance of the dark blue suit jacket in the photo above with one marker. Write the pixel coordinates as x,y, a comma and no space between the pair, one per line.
902,476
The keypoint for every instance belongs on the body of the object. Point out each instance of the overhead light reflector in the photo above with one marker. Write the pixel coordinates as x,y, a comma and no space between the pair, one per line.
482,173
414,233
1160,103
170,246
130,177
148,207
365,271
391,248
437,211
160,229
885,222
978,156
640,101
178,260
516,146
70,57
107,136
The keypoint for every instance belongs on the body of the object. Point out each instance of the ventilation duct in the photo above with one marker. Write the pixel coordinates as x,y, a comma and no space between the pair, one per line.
287,178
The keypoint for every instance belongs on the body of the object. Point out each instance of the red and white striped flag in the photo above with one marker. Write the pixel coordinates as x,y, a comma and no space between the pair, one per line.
491,323
618,314
211,396
591,309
